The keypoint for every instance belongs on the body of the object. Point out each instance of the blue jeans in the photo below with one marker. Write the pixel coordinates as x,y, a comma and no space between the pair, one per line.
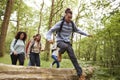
35,59
55,61
66,46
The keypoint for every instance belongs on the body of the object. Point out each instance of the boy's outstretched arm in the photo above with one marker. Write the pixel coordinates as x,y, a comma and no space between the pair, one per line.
81,32
53,29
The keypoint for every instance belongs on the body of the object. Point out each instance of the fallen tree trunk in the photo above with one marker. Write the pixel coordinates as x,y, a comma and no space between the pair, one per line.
12,72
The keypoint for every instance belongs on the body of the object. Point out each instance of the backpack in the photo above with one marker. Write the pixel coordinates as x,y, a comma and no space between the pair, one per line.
61,25
27,46
16,42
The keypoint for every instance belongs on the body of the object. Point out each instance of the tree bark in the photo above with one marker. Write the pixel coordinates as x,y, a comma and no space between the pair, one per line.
47,45
77,18
4,26
95,53
55,9
79,48
42,5
18,16
76,22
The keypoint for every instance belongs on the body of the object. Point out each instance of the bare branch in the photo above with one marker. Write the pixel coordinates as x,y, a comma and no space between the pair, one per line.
61,6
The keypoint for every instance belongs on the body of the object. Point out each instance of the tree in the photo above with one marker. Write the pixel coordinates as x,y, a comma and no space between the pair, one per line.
55,9
79,10
47,45
4,25
42,5
18,15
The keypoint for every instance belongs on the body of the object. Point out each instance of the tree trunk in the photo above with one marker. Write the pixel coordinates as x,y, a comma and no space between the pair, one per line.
4,26
47,45
79,48
18,15
76,22
18,22
42,5
95,53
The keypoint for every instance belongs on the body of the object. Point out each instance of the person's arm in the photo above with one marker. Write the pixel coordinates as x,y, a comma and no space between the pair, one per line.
12,45
53,29
79,31
29,47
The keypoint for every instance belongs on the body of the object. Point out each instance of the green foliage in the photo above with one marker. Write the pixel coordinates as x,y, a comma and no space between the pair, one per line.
2,7
104,46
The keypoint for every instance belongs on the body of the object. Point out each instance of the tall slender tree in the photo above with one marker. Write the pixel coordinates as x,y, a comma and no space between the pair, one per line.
4,25
18,15
47,45
42,5
56,7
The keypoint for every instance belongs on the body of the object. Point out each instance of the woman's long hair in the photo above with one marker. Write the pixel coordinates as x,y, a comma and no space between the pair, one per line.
36,37
18,35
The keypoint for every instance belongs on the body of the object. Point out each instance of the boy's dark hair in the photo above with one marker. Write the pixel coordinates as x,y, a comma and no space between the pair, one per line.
68,10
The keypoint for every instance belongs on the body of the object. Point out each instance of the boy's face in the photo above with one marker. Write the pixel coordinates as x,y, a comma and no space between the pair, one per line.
68,17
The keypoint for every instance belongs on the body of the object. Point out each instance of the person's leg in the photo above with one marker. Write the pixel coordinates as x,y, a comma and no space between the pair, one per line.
32,59
13,59
59,57
74,60
56,61
53,61
37,59
58,64
62,48
21,59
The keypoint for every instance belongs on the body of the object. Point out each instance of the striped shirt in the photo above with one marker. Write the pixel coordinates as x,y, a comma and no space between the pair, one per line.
65,33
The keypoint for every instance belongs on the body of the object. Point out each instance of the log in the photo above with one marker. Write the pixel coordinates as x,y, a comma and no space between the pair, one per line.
13,72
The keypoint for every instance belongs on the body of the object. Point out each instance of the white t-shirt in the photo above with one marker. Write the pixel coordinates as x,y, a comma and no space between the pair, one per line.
55,52
19,47
56,49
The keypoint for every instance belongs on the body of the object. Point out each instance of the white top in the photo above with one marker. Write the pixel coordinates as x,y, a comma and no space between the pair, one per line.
19,47
56,49
55,52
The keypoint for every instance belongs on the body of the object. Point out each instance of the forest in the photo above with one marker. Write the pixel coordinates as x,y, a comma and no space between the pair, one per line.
101,18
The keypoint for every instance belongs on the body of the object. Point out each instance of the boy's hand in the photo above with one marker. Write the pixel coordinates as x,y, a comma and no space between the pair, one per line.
90,36
50,41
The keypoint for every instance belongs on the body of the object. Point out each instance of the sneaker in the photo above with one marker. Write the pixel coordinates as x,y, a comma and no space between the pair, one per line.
59,57
51,65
